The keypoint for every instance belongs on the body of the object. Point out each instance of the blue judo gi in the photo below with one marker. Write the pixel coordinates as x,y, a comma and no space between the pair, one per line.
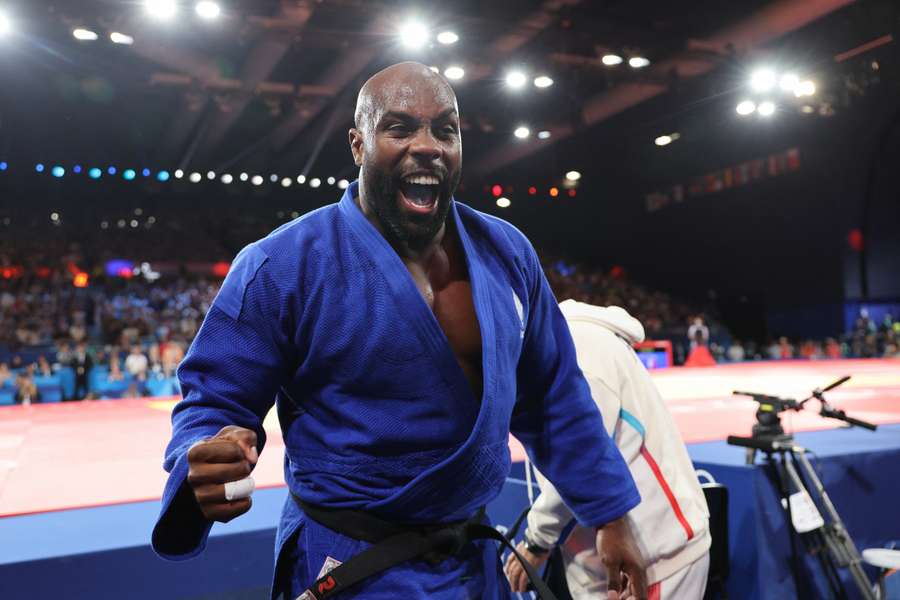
323,318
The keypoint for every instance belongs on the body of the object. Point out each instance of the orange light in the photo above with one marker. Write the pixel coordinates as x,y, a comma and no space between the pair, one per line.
81,280
554,192
220,269
532,191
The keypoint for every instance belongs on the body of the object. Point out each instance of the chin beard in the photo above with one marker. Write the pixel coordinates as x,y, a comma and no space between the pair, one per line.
412,231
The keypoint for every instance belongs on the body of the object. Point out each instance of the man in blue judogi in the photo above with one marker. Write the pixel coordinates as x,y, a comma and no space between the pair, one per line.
403,336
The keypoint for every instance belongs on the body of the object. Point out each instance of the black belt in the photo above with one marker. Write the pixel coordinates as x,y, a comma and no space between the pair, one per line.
394,544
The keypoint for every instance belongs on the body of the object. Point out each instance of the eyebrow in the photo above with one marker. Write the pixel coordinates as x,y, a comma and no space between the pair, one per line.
402,116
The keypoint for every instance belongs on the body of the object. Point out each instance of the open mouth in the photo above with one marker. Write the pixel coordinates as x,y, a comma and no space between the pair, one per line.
419,193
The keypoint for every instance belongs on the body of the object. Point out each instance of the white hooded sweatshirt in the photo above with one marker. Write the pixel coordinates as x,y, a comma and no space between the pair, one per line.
671,524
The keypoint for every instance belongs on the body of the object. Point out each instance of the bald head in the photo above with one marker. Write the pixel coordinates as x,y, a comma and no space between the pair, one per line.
399,86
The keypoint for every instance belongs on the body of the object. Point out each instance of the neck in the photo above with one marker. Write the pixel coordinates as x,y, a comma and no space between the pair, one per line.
418,252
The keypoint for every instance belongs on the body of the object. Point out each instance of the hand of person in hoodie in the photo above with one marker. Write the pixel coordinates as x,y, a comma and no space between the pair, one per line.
626,572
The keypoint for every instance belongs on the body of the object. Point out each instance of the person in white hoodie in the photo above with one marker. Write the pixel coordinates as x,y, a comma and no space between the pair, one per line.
671,524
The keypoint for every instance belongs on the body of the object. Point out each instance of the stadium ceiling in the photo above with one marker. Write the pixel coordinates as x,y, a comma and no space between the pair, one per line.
271,84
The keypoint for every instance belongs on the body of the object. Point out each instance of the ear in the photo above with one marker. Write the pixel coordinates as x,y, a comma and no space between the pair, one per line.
356,146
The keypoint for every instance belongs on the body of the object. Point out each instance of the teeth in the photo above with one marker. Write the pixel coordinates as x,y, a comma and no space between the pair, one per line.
422,179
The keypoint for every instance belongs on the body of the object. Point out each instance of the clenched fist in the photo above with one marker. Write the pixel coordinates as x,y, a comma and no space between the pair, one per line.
227,457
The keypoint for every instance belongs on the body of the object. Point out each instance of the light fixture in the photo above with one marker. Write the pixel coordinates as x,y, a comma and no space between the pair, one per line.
227,178
447,38
663,140
54,216
315,182
788,82
161,9
301,179
542,81
573,175
454,72
503,202
95,173
516,79
257,180
162,176
638,62
85,35
413,34
207,9
210,175
331,180
762,80
343,184
807,109
522,132
120,38
286,182
195,177
179,174
5,24
544,135
243,177
611,60
57,171
805,88
766,109
129,174
746,107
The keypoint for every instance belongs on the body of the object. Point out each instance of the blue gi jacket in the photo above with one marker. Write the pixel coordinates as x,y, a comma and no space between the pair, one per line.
322,317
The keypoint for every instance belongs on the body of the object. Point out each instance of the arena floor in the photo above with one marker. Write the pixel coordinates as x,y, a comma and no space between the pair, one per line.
76,455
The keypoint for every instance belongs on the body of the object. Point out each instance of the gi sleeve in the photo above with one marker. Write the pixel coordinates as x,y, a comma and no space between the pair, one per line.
230,376
556,419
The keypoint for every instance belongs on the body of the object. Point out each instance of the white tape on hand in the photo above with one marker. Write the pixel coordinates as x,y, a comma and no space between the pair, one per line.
238,490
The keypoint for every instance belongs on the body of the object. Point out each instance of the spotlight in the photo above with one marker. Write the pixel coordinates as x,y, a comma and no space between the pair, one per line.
95,173
210,175
807,109
257,180
179,174
663,140
522,132
128,174
54,216
762,80
161,9
39,167
805,88
145,172
134,223
331,180
195,177
3,165
611,60
638,62
120,38
543,81
207,10
85,35
286,182
273,178
58,171
454,73
315,182
226,178
503,202
497,190
516,79
343,184
573,175
447,38
5,25
554,192
746,107
301,179
75,169
162,176
766,109
788,82
532,191
243,177
544,135
413,34
111,170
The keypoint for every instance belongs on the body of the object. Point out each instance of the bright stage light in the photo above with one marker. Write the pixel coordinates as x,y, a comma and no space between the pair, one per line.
54,216
611,60
503,202
544,135
522,132
207,9
3,165
663,140
454,73
301,179
85,35
573,175
788,82
58,171
76,169
807,109
516,79
226,179
145,172
244,177
413,34
286,182
343,184
120,38
766,109
128,174
162,176
543,81
273,178
746,107
111,170
805,88
638,62
95,173
257,180
210,175
762,80
315,182
179,174
331,180
447,38
5,24
39,167
161,9
195,177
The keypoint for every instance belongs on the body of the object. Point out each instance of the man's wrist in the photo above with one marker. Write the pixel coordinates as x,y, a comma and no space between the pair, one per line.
534,547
